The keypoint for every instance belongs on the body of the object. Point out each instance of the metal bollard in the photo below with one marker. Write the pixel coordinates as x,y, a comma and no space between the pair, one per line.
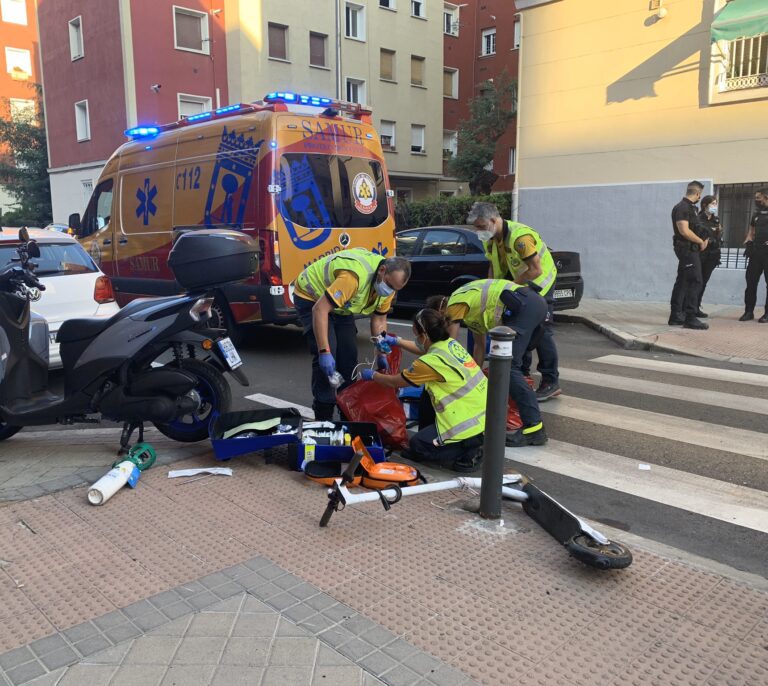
500,358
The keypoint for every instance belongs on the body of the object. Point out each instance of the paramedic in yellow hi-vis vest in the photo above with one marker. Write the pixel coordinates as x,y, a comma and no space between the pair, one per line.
327,296
486,303
456,386
517,253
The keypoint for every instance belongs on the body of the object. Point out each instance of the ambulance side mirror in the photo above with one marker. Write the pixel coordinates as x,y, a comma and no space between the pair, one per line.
75,223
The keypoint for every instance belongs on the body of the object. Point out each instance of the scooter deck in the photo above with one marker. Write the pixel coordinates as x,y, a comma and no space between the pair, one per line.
558,522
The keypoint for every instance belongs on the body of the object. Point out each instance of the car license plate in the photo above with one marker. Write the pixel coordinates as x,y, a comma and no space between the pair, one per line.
564,293
230,353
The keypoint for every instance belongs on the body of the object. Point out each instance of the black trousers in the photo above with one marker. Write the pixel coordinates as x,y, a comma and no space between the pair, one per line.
342,337
545,347
685,293
757,266
709,261
422,443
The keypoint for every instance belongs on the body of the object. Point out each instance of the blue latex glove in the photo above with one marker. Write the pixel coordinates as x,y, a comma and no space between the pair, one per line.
381,363
385,343
367,374
327,364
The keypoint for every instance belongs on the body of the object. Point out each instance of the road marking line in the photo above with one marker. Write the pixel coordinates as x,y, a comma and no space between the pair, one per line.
665,390
720,500
691,431
708,373
306,412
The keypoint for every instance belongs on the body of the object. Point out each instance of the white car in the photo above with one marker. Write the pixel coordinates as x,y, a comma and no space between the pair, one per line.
74,286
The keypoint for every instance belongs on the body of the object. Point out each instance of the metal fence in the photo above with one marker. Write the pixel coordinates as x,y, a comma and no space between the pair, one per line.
747,64
736,203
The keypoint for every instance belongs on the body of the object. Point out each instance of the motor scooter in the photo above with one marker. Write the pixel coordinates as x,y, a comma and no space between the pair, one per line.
154,361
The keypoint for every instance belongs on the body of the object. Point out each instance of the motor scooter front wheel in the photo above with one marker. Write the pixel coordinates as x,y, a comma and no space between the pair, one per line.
215,397
611,555
6,430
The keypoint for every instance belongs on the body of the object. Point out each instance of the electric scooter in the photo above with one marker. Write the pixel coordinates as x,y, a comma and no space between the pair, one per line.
111,365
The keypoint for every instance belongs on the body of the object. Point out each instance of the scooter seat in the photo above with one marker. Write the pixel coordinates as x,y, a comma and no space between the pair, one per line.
81,329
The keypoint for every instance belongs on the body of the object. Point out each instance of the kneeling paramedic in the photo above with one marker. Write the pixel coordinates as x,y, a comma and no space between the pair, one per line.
486,303
456,386
328,294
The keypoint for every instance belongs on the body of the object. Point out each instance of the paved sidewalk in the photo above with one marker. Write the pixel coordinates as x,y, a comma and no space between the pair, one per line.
643,326
423,594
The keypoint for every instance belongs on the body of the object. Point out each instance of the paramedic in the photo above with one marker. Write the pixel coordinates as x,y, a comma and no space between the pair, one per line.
517,253
328,294
486,303
456,386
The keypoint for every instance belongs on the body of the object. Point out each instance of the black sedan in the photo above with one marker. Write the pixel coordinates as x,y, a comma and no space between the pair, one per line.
445,257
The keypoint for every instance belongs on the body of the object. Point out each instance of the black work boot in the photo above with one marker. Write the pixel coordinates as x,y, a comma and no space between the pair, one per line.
676,320
693,323
547,390
701,314
469,462
323,411
526,436
747,317
764,318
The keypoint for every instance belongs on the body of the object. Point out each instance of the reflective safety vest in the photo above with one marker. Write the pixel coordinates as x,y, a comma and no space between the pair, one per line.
318,277
483,297
514,265
459,401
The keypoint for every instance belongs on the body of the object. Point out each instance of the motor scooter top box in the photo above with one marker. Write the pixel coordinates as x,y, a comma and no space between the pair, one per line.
206,258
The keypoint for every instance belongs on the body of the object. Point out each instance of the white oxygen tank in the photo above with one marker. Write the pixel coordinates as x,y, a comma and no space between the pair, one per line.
112,482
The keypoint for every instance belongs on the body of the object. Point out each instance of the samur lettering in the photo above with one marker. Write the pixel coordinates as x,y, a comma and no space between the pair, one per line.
144,263
331,131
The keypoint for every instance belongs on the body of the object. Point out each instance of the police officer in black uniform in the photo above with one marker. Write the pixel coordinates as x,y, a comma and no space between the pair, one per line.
757,249
709,228
688,247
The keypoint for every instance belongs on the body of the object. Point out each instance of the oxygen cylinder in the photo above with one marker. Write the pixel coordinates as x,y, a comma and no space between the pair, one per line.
112,482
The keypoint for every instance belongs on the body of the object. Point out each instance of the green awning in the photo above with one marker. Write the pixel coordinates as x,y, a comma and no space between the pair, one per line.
741,19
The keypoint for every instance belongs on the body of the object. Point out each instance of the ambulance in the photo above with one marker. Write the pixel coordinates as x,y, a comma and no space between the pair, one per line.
301,174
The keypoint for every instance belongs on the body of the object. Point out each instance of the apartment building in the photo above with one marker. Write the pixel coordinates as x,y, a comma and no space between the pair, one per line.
20,74
481,42
620,105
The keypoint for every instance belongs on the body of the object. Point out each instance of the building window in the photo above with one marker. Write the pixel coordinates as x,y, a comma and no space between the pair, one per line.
387,135
18,63
82,121
387,65
450,20
417,71
387,4
190,30
512,161
22,110
278,41
746,64
14,11
403,195
450,83
450,144
193,104
418,8
355,21
517,34
488,42
317,43
417,138
76,48
356,91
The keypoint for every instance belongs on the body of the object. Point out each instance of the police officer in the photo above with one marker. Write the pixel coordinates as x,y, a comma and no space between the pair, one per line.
456,387
684,303
517,253
757,243
327,296
709,228
486,303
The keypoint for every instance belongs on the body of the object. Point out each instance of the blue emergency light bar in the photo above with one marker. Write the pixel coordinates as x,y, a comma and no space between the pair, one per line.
228,108
298,98
142,132
200,116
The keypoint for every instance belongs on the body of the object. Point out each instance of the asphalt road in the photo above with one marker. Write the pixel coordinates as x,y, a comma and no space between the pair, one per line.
278,365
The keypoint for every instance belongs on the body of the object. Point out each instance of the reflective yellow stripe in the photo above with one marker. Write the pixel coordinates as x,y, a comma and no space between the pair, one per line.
461,427
472,383
534,428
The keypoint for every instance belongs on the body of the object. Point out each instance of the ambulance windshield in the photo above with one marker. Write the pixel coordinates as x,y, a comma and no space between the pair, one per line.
332,191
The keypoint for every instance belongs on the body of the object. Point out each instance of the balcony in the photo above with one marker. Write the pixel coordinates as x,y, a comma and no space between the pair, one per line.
746,64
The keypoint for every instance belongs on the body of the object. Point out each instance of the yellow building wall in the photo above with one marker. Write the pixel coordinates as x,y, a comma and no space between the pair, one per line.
611,94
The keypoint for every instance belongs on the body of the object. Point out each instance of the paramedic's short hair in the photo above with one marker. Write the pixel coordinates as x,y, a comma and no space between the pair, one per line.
483,210
397,264
694,187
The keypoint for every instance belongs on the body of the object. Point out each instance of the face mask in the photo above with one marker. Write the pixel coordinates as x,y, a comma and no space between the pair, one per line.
383,289
484,235
712,209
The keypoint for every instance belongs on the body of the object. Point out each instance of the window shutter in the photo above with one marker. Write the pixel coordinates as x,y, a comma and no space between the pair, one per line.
448,83
417,71
317,49
387,65
277,42
189,31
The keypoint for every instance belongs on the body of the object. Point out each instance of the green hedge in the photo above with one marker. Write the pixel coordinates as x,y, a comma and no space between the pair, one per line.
447,210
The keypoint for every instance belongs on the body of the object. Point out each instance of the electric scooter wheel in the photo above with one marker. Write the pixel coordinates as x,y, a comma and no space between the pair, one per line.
612,555
215,397
6,431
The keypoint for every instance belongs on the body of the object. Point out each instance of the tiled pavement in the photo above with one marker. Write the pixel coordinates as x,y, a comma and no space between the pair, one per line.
496,605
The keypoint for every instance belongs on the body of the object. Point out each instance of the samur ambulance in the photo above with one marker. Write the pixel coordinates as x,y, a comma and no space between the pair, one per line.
303,175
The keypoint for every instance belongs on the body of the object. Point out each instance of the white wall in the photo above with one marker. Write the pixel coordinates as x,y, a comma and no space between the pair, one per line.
67,194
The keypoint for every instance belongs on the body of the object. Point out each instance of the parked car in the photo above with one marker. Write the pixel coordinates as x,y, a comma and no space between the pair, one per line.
74,286
445,257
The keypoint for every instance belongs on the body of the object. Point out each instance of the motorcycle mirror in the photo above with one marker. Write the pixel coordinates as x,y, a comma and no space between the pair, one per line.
23,234
33,249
